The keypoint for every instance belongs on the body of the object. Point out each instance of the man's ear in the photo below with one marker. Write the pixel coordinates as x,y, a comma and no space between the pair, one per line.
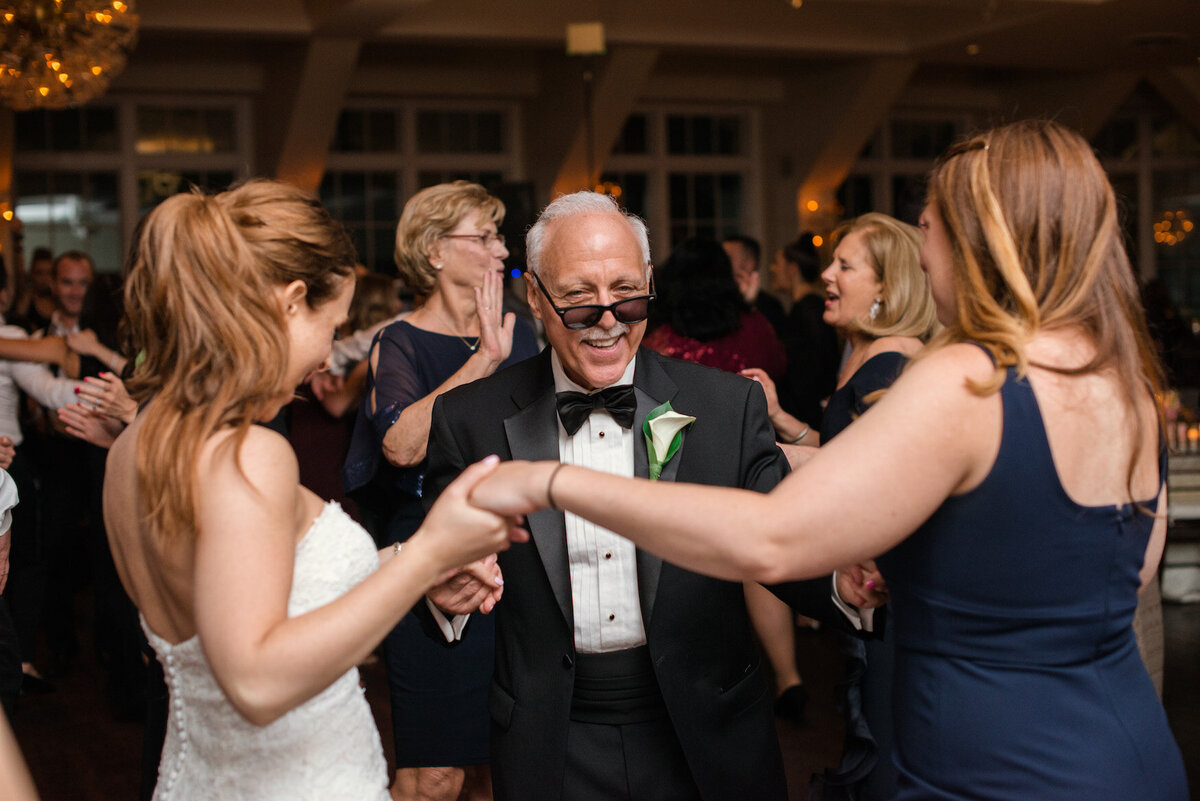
291,296
532,296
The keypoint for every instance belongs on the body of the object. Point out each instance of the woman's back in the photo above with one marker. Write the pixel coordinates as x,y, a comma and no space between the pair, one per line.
328,746
1017,672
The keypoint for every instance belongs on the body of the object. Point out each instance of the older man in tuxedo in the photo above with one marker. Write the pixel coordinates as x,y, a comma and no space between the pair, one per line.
618,675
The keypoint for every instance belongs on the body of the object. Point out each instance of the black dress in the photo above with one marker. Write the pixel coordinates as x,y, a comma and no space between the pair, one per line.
813,357
438,690
866,772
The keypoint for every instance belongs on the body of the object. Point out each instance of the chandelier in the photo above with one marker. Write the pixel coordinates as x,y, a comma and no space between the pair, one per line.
59,53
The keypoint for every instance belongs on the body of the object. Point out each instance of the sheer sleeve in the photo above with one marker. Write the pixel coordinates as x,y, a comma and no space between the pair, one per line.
396,380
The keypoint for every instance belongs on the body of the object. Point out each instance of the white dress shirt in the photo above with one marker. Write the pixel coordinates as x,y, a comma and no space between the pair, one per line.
604,584
8,499
36,379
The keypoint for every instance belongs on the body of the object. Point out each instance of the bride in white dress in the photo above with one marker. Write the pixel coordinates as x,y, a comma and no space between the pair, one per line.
258,598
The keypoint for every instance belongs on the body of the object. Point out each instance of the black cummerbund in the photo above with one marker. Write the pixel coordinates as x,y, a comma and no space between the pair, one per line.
616,688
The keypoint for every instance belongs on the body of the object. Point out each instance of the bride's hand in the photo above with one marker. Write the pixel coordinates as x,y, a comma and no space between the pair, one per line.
455,532
495,327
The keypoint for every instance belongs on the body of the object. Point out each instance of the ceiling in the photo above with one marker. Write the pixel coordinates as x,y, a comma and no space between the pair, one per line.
1085,35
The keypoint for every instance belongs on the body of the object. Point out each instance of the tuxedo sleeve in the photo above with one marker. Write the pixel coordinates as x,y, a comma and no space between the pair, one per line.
764,467
445,457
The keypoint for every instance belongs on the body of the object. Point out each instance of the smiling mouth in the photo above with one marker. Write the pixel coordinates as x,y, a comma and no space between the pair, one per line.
608,343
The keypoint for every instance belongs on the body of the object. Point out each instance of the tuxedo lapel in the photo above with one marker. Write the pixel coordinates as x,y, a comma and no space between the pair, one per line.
533,435
653,387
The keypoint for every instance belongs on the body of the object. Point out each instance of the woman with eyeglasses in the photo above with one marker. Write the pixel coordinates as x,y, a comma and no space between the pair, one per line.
449,251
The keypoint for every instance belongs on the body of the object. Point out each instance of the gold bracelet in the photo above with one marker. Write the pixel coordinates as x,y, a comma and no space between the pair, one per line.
550,485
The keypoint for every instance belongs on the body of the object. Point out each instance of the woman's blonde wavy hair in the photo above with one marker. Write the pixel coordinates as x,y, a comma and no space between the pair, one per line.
203,315
907,309
428,216
1032,223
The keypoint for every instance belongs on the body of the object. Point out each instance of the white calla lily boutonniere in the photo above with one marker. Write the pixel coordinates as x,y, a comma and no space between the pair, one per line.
663,428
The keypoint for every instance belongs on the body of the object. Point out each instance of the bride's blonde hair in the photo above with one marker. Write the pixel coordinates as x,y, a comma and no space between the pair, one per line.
205,322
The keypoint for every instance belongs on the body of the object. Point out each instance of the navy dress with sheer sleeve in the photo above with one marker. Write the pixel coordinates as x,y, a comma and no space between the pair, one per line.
438,690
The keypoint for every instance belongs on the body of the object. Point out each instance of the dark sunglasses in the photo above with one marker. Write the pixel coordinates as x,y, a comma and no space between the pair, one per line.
628,311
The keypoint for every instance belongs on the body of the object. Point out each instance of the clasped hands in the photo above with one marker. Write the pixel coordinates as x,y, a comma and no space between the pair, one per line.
515,489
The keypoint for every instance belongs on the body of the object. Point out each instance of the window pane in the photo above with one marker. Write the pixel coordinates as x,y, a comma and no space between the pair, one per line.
354,197
729,136
702,136
350,136
705,196
383,247
66,130
921,139
856,195
908,197
633,136
679,196
71,211
429,133
101,128
458,132
489,133
185,130
677,138
31,131
730,184
220,125
1118,139
383,197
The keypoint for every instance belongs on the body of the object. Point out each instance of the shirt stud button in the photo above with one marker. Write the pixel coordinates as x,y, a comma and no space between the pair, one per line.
608,555
601,435
612,617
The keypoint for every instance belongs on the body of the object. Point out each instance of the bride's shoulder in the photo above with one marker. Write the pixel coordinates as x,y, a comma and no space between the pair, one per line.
260,458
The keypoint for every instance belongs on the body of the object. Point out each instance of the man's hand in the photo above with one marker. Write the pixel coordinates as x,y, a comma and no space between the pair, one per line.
476,587
862,585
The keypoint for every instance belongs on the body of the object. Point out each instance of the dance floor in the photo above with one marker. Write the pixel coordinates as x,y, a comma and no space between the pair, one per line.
78,752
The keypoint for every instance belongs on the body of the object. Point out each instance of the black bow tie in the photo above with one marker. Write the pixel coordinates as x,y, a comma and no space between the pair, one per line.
574,407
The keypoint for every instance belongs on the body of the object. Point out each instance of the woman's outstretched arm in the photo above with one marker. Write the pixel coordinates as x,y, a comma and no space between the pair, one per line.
867,490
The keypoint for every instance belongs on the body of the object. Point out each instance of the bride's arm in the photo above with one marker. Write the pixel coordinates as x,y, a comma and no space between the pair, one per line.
862,493
250,518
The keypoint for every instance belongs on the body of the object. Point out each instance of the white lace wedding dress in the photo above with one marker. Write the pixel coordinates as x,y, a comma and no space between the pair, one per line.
326,749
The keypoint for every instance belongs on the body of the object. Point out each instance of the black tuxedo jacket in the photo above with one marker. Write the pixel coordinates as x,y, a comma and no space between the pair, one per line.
697,629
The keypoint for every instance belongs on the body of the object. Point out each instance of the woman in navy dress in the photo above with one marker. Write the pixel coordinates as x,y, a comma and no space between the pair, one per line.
449,251
1013,476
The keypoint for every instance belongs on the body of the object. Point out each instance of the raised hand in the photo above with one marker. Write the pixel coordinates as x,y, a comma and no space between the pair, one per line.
106,395
455,532
495,327
84,342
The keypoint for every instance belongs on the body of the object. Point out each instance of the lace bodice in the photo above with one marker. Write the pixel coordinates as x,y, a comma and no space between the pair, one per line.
327,749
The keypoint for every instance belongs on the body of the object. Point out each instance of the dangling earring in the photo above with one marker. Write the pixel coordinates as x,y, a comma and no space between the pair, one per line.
875,307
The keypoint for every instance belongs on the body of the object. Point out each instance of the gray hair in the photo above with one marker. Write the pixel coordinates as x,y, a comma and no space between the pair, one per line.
579,204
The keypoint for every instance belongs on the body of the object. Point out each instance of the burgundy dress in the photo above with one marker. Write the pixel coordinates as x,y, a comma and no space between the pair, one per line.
753,344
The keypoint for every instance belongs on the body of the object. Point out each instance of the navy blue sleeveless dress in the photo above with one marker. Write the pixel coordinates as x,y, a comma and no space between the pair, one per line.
1017,675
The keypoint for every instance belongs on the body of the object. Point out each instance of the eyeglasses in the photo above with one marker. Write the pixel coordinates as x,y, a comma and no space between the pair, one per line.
484,239
628,311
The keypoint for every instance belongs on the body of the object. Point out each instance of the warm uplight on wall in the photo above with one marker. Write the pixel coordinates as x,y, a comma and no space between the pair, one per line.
818,240
7,214
973,49
797,3
812,205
